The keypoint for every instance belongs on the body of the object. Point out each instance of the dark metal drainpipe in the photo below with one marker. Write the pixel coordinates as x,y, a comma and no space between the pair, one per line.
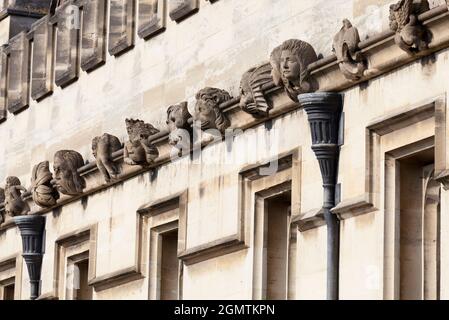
324,111
32,231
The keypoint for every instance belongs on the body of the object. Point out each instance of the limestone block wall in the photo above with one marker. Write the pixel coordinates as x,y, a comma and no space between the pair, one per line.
213,47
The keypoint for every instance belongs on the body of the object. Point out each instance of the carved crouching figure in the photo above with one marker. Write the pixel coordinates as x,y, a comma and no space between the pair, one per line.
14,204
252,99
207,109
178,125
290,61
139,150
67,179
2,200
102,148
345,47
411,35
43,192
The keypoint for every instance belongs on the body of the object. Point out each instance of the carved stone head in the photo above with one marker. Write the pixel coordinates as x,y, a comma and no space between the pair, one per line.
103,148
252,99
43,192
65,166
290,61
138,130
139,149
207,109
178,122
14,204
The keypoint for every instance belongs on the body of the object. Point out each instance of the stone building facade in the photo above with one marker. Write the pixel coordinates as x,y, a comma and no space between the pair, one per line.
165,149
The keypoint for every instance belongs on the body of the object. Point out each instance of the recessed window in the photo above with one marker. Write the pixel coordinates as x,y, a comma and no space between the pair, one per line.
8,292
82,290
169,266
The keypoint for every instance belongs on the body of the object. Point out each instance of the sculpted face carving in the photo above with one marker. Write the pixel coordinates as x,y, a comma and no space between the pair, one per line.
43,192
139,150
345,47
65,166
252,99
102,148
178,124
207,109
290,61
411,35
14,204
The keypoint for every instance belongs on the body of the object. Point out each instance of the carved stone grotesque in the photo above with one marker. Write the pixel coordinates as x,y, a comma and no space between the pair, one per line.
207,109
102,148
290,61
345,47
43,192
411,35
2,200
139,150
178,124
65,166
14,204
252,99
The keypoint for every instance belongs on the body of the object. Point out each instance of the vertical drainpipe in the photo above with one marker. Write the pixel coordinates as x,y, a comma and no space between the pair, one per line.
32,231
324,111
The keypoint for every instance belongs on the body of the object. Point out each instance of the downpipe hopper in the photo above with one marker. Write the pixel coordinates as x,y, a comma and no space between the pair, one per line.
324,110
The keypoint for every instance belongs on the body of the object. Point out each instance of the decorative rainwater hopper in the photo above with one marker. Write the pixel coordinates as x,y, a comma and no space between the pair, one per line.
32,231
324,111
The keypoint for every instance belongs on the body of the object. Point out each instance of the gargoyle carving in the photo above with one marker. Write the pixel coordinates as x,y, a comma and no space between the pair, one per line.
102,148
207,109
290,61
2,200
14,203
252,99
139,150
178,124
345,47
67,179
43,192
411,35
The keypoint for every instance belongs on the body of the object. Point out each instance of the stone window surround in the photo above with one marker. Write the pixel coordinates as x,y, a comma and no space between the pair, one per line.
11,273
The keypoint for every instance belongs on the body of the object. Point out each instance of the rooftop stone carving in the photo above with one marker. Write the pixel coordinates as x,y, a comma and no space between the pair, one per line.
252,99
67,179
411,35
139,150
43,192
14,204
207,109
102,148
290,61
345,47
178,124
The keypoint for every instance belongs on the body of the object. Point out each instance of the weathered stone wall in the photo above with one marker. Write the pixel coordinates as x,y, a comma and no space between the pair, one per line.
214,47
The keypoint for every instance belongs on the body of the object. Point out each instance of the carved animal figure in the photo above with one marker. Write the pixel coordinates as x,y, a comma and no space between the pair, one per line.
252,99
411,35
178,124
102,148
2,200
207,109
345,47
290,61
139,150
67,179
42,190
14,204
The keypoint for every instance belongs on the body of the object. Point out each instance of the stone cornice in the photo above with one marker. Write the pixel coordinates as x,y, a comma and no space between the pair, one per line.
382,55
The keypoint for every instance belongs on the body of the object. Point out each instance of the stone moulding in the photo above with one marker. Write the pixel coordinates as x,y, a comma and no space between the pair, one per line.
382,54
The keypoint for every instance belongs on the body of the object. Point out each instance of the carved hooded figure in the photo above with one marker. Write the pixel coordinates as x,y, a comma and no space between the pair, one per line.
139,150
178,125
411,35
252,99
67,179
14,204
345,47
43,192
290,61
102,148
207,109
